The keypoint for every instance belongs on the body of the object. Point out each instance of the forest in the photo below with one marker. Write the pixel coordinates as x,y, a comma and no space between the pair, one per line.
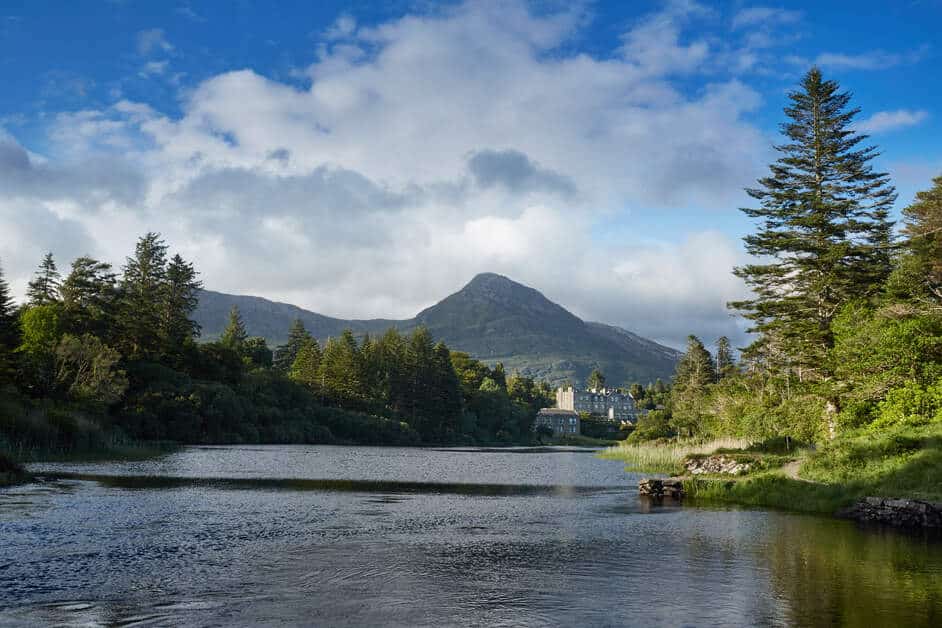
105,361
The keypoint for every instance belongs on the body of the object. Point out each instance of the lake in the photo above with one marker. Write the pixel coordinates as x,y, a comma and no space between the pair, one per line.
322,535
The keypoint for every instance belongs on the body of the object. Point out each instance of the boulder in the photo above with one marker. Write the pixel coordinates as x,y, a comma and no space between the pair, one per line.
717,464
905,513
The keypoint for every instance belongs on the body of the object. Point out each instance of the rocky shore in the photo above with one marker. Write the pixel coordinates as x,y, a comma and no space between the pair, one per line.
903,513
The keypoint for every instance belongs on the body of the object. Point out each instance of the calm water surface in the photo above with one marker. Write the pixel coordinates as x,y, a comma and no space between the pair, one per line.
389,536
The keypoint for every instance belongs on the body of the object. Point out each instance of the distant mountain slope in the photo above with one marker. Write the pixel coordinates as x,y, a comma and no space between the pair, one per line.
493,318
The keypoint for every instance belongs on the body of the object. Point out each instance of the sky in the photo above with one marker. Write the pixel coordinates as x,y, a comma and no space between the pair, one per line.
367,159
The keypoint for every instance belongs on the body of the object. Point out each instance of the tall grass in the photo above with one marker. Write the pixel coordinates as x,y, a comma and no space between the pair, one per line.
666,457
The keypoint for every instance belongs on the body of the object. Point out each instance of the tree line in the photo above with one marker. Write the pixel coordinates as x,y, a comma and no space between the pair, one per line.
100,357
845,312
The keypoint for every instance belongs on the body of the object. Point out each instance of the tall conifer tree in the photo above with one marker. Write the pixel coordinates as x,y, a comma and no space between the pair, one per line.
181,296
234,335
923,231
9,329
142,292
824,235
286,354
44,287
724,358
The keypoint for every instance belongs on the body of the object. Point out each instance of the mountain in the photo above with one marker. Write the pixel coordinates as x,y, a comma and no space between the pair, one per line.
493,318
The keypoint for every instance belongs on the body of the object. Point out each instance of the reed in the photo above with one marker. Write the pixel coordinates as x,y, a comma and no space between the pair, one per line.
666,457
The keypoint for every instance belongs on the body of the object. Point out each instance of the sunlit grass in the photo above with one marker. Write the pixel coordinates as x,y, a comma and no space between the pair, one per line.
666,457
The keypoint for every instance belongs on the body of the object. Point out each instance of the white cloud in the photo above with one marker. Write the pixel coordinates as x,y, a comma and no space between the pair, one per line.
883,121
756,16
423,151
153,68
151,41
870,60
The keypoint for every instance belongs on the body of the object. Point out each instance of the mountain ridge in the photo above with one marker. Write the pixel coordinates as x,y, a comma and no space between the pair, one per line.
493,318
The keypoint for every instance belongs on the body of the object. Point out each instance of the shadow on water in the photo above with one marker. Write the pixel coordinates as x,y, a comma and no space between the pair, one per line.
348,486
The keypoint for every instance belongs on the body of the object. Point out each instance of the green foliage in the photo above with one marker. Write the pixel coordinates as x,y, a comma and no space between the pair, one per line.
823,234
234,335
596,380
43,289
143,286
923,230
653,425
256,354
41,330
90,299
909,405
286,354
695,372
306,367
88,370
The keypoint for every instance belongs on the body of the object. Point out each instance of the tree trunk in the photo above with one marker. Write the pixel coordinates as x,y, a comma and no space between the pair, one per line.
831,409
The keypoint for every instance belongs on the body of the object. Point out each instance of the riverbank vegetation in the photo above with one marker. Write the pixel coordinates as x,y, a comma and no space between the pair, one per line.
105,362
847,324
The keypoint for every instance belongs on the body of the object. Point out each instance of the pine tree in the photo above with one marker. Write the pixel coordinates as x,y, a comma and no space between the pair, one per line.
286,354
234,335
142,292
44,287
823,226
724,358
596,380
695,372
9,330
923,231
90,299
306,367
181,296
341,370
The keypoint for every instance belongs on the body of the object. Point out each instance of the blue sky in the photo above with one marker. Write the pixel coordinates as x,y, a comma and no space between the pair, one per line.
364,159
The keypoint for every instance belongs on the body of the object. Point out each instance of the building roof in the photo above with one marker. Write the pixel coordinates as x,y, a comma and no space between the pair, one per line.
558,411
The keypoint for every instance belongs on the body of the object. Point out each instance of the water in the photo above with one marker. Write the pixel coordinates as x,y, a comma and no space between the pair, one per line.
391,536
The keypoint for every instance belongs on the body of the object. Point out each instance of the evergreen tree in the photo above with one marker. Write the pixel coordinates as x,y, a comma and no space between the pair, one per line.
142,291
596,380
90,299
695,372
44,287
306,367
286,354
341,370
234,335
9,330
823,226
255,352
181,296
923,231
724,358
636,391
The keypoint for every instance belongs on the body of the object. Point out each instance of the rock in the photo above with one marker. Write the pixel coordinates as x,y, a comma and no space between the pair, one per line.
718,464
660,488
908,513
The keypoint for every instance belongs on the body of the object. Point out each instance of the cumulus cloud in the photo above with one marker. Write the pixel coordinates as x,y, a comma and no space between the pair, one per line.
421,151
883,121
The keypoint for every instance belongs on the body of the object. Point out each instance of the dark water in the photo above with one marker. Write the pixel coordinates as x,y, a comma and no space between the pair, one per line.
385,536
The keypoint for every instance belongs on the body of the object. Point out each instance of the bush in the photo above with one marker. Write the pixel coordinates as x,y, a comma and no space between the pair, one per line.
910,405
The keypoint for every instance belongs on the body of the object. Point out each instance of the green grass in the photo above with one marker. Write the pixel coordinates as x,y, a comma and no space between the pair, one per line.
902,463
770,489
665,457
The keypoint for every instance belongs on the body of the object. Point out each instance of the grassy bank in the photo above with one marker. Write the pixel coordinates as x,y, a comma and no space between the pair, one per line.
903,463
665,457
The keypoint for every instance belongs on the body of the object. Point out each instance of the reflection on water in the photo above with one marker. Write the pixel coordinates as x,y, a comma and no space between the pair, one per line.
354,536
